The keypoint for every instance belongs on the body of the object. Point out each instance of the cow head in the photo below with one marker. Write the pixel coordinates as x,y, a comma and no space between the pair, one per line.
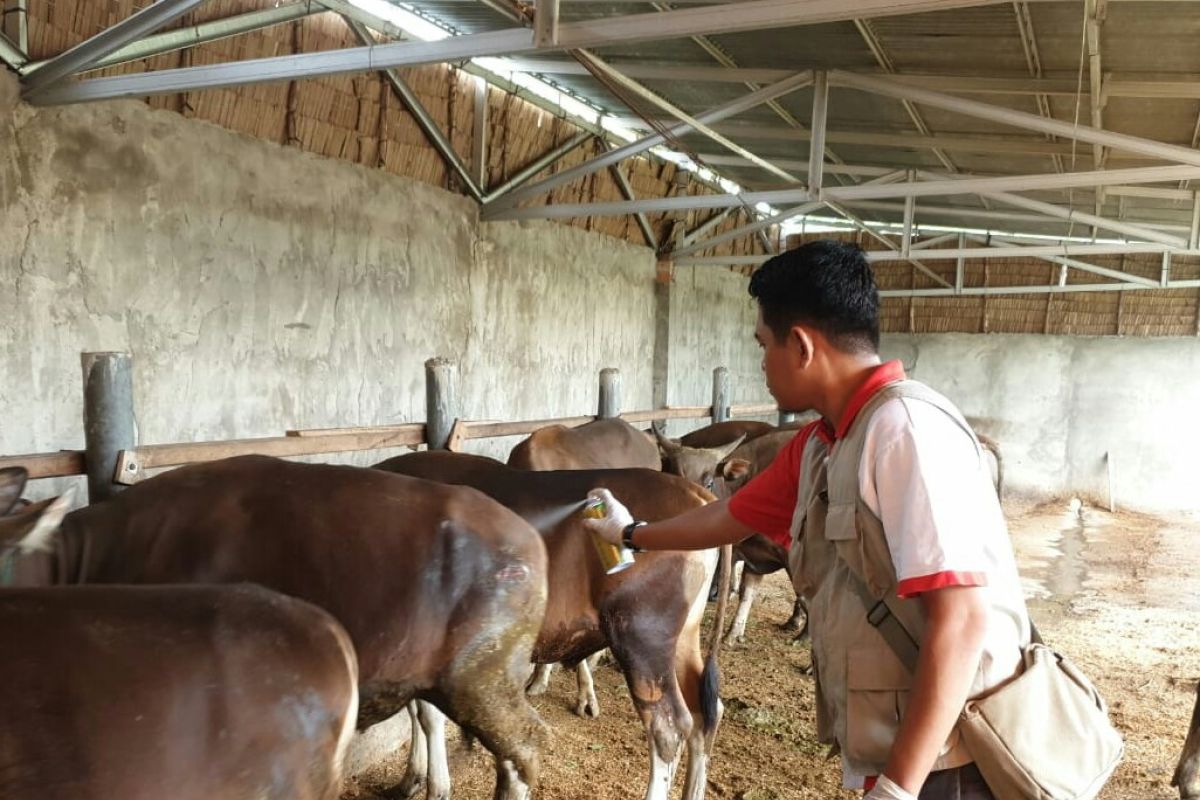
26,541
700,465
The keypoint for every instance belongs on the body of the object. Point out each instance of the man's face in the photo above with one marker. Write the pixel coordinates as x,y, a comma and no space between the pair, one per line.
782,366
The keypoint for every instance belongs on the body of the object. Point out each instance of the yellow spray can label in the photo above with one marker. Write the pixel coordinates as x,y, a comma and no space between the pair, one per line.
614,558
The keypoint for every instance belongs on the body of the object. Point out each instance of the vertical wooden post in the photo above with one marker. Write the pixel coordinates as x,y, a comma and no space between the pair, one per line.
441,401
108,424
610,393
720,395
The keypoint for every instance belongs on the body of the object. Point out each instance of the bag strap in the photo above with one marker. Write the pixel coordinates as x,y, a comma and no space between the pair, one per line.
881,618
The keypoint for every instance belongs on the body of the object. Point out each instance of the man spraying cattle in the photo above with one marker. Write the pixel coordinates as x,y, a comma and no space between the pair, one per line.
893,527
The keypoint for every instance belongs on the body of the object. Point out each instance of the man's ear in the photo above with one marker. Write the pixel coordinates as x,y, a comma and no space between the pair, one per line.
800,340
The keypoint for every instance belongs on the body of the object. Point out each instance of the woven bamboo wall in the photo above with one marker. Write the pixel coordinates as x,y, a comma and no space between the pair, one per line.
1171,312
359,119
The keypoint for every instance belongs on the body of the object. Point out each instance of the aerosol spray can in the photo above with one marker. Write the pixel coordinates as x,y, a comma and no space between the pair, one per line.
613,557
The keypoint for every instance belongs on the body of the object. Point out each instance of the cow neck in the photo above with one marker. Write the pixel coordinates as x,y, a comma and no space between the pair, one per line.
73,548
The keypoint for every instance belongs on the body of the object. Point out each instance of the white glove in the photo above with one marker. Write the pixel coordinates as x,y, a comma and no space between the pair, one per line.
887,789
616,517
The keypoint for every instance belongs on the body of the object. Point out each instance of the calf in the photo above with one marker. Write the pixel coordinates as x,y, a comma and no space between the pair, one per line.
1187,773
191,693
648,614
441,589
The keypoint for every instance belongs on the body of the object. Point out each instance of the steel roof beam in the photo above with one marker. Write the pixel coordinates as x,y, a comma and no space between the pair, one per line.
10,54
424,120
538,164
1065,250
193,35
1073,263
1115,85
696,246
1020,119
683,116
1071,215
986,216
848,193
633,148
725,18
83,55
964,142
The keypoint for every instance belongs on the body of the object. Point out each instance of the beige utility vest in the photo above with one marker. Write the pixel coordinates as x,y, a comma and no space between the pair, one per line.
862,687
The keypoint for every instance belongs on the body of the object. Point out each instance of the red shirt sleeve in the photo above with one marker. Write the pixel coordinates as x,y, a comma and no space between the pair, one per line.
768,501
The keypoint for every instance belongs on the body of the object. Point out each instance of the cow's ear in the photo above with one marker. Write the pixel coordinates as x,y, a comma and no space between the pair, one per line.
735,469
40,522
12,483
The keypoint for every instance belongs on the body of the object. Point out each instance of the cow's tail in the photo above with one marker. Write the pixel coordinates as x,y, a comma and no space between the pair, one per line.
993,447
710,679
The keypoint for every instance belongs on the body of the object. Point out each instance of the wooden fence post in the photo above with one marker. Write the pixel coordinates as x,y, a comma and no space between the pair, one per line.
720,396
441,401
610,393
108,424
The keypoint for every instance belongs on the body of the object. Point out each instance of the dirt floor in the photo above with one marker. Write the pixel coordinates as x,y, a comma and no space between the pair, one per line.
1119,593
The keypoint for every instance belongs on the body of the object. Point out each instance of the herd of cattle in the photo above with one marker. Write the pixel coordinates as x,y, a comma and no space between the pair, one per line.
268,609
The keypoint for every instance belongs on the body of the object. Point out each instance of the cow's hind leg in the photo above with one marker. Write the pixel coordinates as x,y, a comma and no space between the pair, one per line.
587,705
539,682
649,666
417,773
700,685
737,631
433,726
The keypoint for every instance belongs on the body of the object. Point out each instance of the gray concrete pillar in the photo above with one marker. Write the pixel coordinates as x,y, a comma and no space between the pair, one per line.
610,393
441,401
661,368
108,424
720,395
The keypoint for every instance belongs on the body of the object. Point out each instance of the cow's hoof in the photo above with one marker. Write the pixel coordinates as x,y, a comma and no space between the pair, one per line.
535,689
405,789
588,709
733,641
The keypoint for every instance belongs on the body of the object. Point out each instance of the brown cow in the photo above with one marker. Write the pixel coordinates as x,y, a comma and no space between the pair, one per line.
1187,773
601,444
191,693
648,614
591,446
441,589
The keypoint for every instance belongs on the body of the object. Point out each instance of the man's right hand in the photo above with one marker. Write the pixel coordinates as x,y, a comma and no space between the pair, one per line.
887,789
616,517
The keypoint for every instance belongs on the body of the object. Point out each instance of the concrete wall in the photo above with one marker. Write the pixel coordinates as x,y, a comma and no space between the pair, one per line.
261,289
712,325
1060,406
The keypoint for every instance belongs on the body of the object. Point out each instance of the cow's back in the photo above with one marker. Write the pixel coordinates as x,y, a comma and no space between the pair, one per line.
397,560
720,434
191,693
550,501
601,444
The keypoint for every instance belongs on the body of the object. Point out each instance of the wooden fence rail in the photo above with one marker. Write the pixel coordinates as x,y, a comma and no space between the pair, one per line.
132,464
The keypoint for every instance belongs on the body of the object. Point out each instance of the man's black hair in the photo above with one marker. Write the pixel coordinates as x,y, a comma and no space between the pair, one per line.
825,284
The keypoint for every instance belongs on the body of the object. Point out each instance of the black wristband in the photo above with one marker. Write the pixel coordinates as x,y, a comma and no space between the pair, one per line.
627,535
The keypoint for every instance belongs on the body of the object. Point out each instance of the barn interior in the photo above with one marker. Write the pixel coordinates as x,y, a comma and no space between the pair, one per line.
284,217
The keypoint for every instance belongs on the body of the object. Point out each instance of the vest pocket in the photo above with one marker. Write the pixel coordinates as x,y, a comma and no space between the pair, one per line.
877,686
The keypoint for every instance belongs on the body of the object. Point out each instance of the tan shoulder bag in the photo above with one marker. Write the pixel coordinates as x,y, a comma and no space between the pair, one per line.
1043,735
